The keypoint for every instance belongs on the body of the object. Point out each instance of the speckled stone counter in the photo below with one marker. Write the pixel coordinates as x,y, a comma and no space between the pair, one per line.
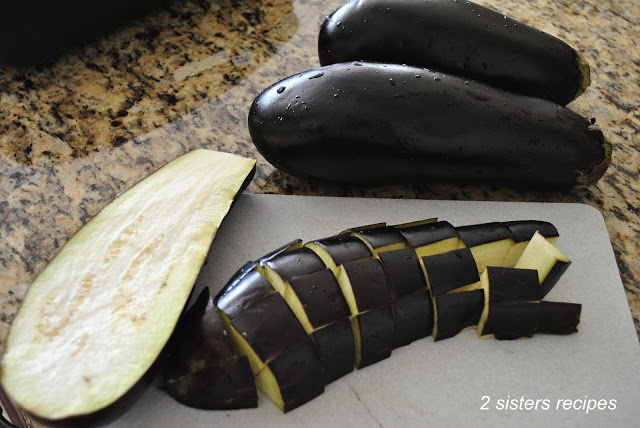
82,128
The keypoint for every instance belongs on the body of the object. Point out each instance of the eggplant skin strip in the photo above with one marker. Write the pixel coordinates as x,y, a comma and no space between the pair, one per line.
367,327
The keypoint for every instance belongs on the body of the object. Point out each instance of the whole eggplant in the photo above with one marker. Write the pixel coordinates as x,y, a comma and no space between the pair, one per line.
370,123
457,37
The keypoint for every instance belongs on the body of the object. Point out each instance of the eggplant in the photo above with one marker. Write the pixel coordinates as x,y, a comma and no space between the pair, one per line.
509,320
450,271
336,250
201,368
430,238
97,318
456,37
489,242
455,312
364,285
307,314
380,238
370,124
550,263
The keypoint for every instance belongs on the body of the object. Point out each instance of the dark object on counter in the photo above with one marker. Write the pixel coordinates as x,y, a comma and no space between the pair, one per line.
201,368
34,31
456,37
368,123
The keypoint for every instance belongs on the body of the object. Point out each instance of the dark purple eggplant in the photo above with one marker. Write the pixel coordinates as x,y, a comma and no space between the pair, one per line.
367,123
457,37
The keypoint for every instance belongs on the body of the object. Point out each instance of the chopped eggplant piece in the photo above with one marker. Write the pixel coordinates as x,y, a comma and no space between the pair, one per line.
336,349
559,317
225,386
550,263
403,271
245,289
373,333
449,271
364,285
316,299
413,317
381,238
293,245
430,238
293,378
510,320
510,284
269,328
489,243
523,231
201,368
282,267
338,249
503,284
455,312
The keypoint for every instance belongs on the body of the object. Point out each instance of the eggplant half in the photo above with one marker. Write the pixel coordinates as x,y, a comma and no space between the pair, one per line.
306,314
99,315
457,37
368,124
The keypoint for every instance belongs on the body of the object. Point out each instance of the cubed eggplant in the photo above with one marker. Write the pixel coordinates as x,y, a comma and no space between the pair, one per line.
559,317
413,317
336,349
381,238
201,368
265,330
489,243
246,288
293,378
550,263
282,267
364,285
449,271
373,333
338,249
523,231
455,312
403,271
317,299
428,238
511,320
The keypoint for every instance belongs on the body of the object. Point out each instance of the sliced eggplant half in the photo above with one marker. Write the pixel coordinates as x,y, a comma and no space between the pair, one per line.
201,368
98,316
550,263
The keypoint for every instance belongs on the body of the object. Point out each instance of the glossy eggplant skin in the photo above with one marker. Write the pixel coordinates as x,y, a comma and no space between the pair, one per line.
367,123
456,37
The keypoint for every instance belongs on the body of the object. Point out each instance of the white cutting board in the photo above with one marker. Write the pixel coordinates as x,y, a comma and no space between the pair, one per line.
459,381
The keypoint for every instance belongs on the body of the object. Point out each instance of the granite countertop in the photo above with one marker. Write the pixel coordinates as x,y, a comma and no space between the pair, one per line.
79,129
